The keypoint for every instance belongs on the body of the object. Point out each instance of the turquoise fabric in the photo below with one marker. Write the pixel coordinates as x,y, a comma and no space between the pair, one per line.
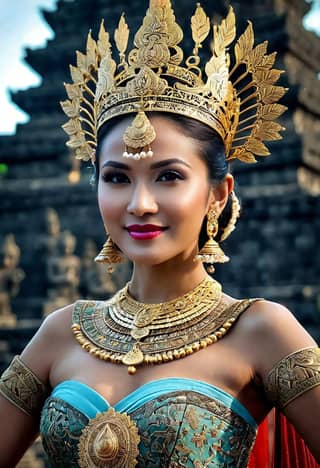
89,402
181,423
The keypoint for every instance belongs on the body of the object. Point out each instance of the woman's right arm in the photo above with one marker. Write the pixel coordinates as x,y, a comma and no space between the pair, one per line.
25,385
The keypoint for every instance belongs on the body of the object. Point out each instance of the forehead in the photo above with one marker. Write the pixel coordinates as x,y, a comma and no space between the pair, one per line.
170,141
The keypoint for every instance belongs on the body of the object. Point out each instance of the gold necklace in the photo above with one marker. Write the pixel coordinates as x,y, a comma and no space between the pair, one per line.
125,331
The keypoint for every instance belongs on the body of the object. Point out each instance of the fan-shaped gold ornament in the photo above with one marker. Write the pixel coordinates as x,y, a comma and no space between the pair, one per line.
234,92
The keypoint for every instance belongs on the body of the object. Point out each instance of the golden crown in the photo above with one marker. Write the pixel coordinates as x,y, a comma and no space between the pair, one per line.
234,94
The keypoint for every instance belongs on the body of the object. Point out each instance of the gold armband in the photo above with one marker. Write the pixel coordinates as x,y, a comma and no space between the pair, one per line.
294,375
23,388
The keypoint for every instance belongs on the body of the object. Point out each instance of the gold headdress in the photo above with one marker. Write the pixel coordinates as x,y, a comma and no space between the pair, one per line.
237,97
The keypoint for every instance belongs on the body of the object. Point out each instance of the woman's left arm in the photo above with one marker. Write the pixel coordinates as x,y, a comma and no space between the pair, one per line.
288,363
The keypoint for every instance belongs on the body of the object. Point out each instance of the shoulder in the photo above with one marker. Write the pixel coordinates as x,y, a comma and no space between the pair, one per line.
272,332
53,336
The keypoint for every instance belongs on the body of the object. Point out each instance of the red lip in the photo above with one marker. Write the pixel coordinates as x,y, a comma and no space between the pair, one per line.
144,231
145,228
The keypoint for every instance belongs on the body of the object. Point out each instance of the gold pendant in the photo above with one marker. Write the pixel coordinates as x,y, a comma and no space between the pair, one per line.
139,333
133,357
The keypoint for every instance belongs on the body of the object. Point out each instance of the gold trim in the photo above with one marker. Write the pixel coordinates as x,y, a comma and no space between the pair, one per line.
294,375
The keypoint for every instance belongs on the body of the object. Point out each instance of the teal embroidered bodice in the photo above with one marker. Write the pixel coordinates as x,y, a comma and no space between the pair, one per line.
181,423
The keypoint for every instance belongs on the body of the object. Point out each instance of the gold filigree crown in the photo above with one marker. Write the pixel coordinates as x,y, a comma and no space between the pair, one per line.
234,94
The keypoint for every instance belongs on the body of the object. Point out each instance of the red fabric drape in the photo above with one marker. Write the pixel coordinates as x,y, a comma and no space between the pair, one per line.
289,450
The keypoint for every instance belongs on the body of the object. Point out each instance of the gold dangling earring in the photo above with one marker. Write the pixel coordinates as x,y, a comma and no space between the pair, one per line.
211,252
109,254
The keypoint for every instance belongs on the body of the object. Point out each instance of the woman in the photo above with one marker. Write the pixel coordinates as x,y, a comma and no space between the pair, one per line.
159,138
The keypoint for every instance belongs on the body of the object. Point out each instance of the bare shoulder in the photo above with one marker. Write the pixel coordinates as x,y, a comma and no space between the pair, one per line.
272,332
51,340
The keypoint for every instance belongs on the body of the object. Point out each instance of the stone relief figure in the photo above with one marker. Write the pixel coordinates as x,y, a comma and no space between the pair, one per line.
63,274
10,278
53,231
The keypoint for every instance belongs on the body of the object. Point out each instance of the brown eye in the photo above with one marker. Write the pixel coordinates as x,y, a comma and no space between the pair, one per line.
170,176
115,178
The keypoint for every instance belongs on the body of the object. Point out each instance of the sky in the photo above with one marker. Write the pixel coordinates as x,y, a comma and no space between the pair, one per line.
23,26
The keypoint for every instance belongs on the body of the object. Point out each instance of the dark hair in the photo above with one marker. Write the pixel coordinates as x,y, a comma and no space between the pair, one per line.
211,150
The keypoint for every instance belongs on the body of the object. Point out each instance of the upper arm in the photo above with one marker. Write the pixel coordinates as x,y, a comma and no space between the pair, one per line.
279,335
39,356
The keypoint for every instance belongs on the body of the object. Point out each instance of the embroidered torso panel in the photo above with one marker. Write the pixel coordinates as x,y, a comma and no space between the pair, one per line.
180,423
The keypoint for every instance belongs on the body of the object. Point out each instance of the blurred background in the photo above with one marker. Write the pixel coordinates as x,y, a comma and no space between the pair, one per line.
50,229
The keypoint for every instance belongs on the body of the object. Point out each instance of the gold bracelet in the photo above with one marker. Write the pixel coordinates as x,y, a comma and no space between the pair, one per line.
21,386
294,375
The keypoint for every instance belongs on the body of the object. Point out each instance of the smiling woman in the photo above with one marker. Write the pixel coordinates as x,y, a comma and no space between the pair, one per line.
170,371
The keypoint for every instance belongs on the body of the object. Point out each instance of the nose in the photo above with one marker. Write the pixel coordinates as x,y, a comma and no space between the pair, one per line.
142,201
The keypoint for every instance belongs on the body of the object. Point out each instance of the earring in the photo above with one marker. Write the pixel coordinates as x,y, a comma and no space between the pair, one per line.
211,252
109,254
235,213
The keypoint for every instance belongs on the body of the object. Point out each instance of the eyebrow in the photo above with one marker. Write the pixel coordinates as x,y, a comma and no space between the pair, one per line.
156,165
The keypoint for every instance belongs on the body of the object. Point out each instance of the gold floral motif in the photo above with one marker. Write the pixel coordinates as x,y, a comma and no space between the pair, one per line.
109,440
294,375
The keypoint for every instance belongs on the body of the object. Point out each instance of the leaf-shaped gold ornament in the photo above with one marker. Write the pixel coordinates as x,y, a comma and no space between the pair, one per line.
265,77
121,35
103,43
267,130
81,62
76,141
72,127
76,75
200,26
271,111
255,57
73,91
242,155
71,108
268,61
270,94
91,52
217,72
224,33
256,146
244,44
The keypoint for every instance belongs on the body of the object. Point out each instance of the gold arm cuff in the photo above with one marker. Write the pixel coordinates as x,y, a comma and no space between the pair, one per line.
294,375
21,386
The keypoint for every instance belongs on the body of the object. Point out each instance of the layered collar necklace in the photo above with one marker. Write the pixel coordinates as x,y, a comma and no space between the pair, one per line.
125,331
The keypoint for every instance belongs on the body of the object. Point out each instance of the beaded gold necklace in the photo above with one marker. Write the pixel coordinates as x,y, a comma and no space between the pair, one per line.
125,331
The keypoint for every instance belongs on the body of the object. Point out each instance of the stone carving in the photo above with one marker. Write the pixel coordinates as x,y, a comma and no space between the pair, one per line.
53,231
10,279
63,273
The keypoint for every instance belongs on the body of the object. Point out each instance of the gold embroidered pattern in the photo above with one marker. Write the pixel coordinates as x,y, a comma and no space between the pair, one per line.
294,375
23,388
110,439
122,331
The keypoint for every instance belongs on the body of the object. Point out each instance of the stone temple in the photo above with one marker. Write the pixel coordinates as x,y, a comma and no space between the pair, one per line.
49,207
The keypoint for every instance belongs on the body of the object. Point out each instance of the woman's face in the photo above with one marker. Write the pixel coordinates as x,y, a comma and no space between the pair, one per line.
153,208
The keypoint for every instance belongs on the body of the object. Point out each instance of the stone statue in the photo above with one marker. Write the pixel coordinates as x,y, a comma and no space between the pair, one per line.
63,273
95,281
10,279
53,231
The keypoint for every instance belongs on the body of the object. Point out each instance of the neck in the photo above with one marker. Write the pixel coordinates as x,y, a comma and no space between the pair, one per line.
162,283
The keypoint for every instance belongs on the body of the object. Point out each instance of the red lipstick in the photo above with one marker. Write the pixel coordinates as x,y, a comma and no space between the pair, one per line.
144,231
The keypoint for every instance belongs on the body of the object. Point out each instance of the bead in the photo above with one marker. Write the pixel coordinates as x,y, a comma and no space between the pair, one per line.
132,370
150,154
219,334
143,154
203,343
195,346
125,154
210,269
136,156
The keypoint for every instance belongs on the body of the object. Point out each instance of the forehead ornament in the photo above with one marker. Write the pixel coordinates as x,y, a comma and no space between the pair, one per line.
234,93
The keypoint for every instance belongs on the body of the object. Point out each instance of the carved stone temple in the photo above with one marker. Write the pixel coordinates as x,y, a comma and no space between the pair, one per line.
274,250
